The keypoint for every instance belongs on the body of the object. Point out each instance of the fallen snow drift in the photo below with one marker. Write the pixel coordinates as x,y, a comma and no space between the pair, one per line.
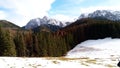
101,48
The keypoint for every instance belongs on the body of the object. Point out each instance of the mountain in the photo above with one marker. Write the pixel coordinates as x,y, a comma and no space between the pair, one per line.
44,21
103,14
7,24
98,14
46,28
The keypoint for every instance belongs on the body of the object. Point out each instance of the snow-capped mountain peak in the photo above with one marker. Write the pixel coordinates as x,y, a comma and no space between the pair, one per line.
45,20
107,14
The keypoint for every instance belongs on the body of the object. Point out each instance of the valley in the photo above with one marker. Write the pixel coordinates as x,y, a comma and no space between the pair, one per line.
59,34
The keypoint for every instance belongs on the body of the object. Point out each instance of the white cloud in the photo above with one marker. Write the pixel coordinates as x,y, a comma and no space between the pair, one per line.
65,18
2,15
24,10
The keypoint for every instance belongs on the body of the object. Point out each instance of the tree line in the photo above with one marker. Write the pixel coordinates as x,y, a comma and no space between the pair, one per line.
89,28
30,44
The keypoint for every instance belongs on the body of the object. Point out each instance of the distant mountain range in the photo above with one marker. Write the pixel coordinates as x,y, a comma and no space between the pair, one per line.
49,24
102,14
53,23
33,23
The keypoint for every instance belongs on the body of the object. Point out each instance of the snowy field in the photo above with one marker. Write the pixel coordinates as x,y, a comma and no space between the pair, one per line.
101,53
58,62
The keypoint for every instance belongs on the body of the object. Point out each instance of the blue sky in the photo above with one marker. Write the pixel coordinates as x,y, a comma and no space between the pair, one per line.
76,7
21,11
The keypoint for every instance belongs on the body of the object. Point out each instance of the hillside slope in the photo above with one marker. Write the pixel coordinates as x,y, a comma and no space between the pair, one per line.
7,24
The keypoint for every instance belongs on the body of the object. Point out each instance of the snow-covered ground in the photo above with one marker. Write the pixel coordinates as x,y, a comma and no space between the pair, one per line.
57,62
101,48
101,53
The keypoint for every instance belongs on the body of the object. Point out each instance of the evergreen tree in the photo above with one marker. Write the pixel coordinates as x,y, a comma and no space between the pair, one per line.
20,45
28,36
35,46
7,46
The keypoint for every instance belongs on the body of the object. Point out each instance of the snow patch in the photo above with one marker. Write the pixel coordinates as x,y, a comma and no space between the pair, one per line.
101,48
